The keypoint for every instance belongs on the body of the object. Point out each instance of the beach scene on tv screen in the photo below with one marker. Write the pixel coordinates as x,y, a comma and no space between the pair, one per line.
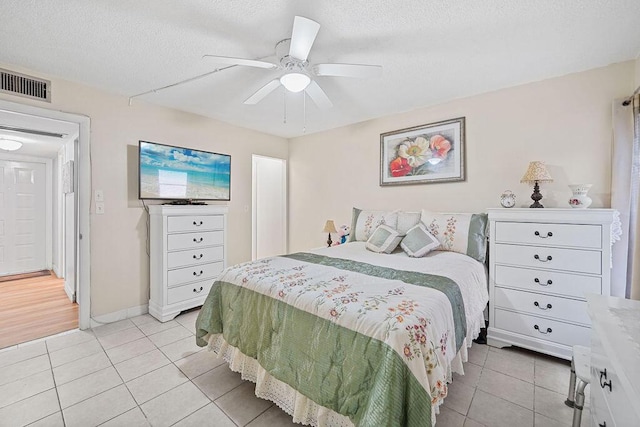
180,173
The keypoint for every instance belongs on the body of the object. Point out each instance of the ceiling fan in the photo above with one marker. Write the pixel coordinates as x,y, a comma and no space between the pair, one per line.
298,73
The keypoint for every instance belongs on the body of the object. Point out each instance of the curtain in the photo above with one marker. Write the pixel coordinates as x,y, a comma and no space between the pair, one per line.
625,185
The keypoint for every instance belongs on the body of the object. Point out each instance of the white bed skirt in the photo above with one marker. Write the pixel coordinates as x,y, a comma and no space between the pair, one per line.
304,410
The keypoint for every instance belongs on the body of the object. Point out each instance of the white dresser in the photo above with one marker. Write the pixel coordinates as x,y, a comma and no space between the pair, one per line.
615,361
542,263
188,252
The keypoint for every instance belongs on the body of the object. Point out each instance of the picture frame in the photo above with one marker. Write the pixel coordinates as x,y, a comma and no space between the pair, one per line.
425,154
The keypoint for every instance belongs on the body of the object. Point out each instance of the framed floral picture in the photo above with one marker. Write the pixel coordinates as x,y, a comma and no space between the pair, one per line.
423,154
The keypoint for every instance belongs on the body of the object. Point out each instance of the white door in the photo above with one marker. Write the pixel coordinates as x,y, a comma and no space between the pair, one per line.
269,207
23,240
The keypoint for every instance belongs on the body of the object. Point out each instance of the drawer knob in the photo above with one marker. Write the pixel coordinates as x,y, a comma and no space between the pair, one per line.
549,282
604,424
549,258
197,224
198,291
537,304
197,257
198,274
198,240
549,234
537,328
603,380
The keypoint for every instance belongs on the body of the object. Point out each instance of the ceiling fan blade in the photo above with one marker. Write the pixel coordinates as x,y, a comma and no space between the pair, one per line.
240,61
302,37
348,70
318,96
263,92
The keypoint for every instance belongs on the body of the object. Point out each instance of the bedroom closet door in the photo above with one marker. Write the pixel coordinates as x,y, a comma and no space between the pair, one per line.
269,213
23,240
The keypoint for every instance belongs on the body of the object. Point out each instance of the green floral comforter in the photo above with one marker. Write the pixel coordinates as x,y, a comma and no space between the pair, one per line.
372,343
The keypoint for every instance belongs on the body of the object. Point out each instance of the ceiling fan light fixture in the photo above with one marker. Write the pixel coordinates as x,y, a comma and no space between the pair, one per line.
295,82
9,144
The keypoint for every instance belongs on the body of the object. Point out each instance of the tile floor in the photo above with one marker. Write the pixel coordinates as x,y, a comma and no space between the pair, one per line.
140,372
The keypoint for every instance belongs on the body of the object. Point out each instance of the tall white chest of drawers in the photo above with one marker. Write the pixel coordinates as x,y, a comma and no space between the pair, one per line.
542,263
187,253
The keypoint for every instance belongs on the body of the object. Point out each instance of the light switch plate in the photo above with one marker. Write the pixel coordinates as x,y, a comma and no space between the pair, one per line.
99,208
99,196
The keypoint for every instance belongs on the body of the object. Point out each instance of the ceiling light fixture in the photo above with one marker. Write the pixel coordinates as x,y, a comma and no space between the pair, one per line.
295,82
9,144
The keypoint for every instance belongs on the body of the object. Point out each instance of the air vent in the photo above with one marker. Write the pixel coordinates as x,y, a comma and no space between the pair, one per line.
23,85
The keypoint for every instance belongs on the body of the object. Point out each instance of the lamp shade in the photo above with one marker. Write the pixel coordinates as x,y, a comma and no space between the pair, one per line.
330,227
537,171
295,82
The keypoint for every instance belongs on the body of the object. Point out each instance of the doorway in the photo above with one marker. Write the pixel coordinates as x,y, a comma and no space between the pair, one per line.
269,207
68,255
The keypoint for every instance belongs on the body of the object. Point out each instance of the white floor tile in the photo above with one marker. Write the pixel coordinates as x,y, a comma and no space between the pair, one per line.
141,320
120,338
542,421
188,320
25,387
472,423
511,363
18,354
181,348
53,420
478,354
495,412
199,363
218,381
273,417
111,328
170,335
88,386
68,340
203,417
552,376
174,405
30,410
151,328
508,388
23,369
79,368
100,408
551,404
130,350
75,352
132,418
242,405
471,375
459,397
155,383
449,418
140,365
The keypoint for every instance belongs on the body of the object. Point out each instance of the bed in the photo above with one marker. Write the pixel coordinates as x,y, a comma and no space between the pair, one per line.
344,336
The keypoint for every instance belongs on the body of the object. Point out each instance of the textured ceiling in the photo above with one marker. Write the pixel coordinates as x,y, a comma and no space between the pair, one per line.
432,51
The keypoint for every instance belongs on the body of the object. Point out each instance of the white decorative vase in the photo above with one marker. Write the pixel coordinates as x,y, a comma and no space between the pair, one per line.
579,199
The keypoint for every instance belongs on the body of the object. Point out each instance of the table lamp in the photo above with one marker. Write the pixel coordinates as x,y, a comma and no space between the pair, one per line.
537,172
329,227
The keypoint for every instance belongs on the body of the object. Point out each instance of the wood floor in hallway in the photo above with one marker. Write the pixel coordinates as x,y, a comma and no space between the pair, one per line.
34,308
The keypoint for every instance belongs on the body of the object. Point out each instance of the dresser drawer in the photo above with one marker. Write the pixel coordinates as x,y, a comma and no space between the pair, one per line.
179,224
194,240
551,258
186,292
194,256
193,273
600,412
542,305
536,327
550,282
584,236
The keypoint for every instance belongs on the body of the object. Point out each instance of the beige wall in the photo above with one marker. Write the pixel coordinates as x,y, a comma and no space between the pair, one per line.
564,121
119,263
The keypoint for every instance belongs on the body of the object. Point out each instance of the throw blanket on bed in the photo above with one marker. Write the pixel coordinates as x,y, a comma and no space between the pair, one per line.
359,339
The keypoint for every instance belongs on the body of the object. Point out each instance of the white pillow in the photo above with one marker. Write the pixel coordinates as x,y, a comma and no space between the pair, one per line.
368,221
418,242
383,240
406,221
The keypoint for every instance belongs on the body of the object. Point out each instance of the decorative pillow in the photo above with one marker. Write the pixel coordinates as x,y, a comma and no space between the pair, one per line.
418,242
364,223
461,232
383,240
407,220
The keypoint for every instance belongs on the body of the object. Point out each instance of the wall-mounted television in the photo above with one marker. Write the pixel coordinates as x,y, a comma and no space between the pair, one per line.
182,174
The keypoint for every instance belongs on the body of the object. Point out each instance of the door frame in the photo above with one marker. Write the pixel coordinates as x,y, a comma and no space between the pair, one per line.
83,236
254,208
48,173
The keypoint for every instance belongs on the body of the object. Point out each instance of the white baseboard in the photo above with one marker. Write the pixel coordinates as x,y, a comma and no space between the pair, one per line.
119,315
71,293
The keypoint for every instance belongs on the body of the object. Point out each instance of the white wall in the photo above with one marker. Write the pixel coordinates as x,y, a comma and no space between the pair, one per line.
119,263
564,121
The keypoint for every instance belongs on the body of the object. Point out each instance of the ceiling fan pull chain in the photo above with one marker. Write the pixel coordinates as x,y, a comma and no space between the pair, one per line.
304,112
284,104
